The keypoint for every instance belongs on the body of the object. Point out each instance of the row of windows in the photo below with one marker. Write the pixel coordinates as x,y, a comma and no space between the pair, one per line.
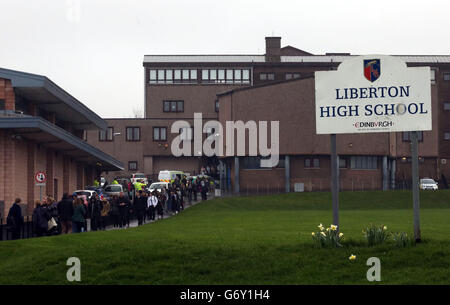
208,76
131,133
169,76
271,76
356,162
173,106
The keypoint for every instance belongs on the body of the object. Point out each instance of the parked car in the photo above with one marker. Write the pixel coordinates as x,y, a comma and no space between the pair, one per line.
428,184
97,189
158,186
113,189
170,175
138,176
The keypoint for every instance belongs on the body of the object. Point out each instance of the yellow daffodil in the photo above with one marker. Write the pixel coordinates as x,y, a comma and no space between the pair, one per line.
323,234
352,257
333,227
341,234
328,229
385,228
313,234
320,227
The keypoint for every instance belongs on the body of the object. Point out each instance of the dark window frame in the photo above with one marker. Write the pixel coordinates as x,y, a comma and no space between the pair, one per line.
106,135
310,163
132,134
216,105
406,136
170,102
159,134
446,76
129,165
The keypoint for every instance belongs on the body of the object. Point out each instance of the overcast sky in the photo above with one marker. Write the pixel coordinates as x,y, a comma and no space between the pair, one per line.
94,48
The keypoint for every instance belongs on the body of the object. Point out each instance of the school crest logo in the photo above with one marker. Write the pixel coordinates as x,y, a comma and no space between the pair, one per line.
372,69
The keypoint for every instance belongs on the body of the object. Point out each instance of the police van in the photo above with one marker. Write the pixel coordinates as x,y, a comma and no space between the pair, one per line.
170,175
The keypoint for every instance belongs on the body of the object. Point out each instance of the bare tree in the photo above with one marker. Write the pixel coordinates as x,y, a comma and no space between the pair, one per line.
137,113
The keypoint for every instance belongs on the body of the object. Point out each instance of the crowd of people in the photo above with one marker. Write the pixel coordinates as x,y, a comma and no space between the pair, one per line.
71,213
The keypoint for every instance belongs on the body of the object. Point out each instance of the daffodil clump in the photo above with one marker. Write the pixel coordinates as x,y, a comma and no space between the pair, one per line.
327,238
402,240
376,235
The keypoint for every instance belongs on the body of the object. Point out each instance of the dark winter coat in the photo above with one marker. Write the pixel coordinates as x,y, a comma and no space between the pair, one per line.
41,216
15,219
65,209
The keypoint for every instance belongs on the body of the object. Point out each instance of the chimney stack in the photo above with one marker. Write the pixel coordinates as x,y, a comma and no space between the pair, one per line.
273,47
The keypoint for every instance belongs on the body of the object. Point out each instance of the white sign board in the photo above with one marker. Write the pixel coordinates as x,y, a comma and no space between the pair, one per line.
373,93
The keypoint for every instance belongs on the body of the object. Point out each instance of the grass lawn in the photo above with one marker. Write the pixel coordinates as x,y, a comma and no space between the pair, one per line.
248,240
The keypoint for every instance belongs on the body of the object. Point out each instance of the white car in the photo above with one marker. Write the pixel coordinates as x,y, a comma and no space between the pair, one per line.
158,186
428,184
138,176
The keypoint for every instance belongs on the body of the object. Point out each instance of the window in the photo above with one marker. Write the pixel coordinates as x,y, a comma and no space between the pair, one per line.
255,162
216,105
447,76
133,133
170,76
292,75
342,162
84,135
173,106
312,163
186,133
446,105
106,135
159,133
406,136
446,135
132,165
266,76
433,76
363,162
2,104
229,76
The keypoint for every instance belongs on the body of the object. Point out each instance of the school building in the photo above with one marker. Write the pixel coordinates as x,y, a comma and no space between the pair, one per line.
275,86
43,129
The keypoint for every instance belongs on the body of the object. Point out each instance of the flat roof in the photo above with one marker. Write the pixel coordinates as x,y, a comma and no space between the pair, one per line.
54,137
429,59
52,98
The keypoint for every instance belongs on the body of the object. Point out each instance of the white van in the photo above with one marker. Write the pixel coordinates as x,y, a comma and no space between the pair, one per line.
170,175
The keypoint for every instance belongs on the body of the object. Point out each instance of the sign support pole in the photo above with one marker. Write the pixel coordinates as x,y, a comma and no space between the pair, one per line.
334,180
415,184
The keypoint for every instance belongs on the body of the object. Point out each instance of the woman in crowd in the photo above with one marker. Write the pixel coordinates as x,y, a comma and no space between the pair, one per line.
78,218
40,219
104,214
115,210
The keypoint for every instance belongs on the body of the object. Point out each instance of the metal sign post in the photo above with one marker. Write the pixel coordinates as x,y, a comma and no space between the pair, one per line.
415,184
334,180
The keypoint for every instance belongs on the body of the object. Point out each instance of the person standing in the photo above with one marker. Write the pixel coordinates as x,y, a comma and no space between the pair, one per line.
160,205
40,219
189,192
78,218
14,221
95,208
124,207
152,202
106,207
139,206
115,211
65,213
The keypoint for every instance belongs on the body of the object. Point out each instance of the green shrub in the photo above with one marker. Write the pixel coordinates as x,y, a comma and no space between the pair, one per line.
329,238
402,240
376,235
